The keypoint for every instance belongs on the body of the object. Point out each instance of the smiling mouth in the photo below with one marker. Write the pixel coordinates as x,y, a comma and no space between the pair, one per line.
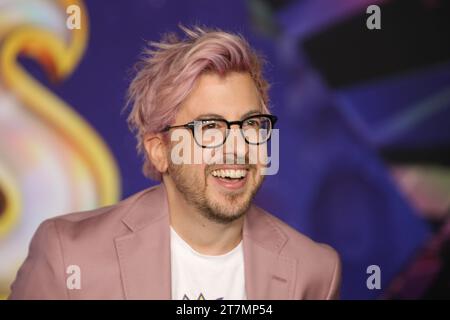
229,174
230,178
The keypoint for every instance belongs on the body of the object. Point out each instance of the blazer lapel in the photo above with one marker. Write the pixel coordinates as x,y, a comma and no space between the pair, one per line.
144,253
268,275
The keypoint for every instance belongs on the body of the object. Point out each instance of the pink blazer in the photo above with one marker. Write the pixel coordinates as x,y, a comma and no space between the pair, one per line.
123,252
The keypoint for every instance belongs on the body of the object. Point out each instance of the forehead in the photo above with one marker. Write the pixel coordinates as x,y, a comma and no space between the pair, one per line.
230,96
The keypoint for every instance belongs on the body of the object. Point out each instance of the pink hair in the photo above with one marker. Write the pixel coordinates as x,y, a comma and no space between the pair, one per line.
167,73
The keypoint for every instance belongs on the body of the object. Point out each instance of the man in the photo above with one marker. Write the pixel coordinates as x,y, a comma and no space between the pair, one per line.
196,235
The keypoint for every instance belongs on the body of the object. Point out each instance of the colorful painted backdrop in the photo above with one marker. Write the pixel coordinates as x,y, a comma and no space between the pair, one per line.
364,123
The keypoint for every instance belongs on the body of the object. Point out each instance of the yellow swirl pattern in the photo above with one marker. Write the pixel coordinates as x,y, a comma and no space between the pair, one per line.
59,59
12,202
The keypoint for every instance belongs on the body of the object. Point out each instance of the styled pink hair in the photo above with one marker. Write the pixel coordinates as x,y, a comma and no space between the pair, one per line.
167,71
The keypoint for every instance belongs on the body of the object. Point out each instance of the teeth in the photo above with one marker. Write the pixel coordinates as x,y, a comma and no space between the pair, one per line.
229,173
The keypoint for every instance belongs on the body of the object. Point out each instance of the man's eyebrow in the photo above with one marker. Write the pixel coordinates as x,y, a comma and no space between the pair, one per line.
251,113
218,116
209,116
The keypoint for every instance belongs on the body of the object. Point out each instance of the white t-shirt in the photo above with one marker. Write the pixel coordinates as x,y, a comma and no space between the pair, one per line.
196,276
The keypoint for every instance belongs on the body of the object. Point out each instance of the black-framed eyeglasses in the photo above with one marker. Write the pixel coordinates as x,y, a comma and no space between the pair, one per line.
213,132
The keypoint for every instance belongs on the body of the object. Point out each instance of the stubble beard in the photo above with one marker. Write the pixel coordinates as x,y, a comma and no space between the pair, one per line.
194,192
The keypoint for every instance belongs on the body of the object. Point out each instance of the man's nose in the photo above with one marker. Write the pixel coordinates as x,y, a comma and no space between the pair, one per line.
236,144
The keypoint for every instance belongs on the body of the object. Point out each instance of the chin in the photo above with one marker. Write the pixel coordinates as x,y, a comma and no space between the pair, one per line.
230,204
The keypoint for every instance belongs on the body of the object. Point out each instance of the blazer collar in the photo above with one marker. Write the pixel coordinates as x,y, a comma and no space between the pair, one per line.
268,274
144,253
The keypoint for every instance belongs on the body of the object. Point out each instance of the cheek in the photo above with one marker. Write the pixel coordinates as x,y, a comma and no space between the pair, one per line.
183,148
258,155
211,156
196,172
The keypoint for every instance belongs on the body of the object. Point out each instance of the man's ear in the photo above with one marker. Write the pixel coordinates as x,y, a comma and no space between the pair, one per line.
156,151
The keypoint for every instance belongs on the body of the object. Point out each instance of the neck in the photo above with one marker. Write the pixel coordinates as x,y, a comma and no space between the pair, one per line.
202,234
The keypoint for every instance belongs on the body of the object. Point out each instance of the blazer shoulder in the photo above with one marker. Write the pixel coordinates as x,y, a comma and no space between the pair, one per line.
41,274
106,218
297,244
81,238
319,263
79,216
